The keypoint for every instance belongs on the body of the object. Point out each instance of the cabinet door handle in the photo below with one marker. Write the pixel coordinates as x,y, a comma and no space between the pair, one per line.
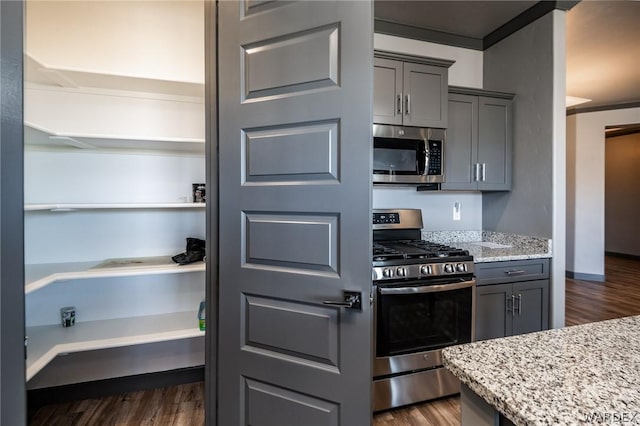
514,272
511,307
399,101
519,304
483,173
476,172
408,105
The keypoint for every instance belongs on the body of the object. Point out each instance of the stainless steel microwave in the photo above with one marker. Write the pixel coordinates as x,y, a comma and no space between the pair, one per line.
407,155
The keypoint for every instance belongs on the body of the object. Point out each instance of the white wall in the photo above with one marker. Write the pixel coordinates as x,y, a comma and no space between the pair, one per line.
437,207
99,177
150,39
585,187
466,71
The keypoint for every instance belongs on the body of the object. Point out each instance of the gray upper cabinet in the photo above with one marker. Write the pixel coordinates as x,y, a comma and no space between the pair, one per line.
512,298
478,145
410,90
387,93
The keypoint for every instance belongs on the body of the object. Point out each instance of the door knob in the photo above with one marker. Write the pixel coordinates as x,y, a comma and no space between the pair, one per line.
352,300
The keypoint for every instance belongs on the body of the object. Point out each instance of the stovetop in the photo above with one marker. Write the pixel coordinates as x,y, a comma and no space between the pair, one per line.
411,259
418,259
399,254
415,249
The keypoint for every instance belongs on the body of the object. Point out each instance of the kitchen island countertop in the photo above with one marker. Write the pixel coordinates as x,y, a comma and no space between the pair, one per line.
574,375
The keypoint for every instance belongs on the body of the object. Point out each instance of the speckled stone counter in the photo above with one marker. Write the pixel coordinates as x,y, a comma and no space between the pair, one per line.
487,246
574,375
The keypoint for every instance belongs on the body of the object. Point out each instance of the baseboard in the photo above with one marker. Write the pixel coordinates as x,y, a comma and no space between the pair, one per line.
37,398
585,277
624,255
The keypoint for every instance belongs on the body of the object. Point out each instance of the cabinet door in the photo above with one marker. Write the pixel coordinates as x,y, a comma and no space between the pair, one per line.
461,145
532,306
493,311
425,91
494,143
387,91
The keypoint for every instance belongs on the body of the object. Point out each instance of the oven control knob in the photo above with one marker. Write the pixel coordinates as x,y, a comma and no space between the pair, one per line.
461,267
387,272
448,268
425,270
401,272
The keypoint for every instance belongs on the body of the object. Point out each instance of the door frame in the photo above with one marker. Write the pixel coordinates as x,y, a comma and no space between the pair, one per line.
13,406
211,177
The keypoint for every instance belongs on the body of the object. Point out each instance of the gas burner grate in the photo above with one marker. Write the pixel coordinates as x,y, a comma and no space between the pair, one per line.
414,249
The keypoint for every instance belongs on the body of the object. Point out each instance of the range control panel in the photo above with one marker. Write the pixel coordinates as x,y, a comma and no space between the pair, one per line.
386,218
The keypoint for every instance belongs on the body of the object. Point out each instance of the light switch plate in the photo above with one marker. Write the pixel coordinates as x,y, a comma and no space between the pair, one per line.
456,210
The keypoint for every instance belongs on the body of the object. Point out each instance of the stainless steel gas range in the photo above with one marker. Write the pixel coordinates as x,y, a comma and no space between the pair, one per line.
424,301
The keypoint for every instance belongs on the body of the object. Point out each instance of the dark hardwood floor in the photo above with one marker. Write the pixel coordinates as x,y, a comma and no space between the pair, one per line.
618,296
175,405
586,302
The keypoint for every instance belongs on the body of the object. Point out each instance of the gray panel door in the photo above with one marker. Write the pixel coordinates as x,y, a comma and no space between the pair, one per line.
387,91
494,143
461,145
295,121
532,310
493,311
13,410
425,88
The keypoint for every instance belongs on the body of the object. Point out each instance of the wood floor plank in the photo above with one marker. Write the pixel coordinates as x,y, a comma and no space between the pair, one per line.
183,405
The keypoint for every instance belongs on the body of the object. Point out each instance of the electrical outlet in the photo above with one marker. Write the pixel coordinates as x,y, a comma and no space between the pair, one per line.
456,210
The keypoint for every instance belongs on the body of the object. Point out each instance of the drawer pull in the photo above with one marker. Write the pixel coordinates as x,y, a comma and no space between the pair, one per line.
516,272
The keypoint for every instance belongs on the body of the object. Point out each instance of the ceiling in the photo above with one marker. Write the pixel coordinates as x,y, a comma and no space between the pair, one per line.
603,52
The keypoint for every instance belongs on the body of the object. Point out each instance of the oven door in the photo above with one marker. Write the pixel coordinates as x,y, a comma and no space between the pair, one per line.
422,317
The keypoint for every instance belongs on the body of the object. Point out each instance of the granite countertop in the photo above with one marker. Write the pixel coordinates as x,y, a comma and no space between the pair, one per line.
574,375
486,246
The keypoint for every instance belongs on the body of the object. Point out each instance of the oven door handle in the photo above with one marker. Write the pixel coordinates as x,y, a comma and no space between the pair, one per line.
426,288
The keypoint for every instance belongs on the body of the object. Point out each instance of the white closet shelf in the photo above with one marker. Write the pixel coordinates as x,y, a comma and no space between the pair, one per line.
47,342
40,275
63,207
35,135
41,73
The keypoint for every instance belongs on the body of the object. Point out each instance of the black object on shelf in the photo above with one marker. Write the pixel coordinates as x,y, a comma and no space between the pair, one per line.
195,252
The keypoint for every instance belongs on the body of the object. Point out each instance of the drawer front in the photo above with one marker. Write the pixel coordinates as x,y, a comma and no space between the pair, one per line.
512,271
411,388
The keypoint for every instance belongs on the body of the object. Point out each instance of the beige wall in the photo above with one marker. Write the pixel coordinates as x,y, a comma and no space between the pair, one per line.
622,194
161,40
585,187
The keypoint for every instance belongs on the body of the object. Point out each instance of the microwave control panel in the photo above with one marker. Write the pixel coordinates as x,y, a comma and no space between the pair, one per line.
435,158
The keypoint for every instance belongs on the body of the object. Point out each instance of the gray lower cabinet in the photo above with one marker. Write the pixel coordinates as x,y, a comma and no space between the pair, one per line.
410,90
478,144
512,298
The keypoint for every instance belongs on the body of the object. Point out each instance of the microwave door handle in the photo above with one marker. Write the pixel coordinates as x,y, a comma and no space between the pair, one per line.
426,158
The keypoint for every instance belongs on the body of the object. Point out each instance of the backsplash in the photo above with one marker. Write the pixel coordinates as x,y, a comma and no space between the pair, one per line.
436,206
